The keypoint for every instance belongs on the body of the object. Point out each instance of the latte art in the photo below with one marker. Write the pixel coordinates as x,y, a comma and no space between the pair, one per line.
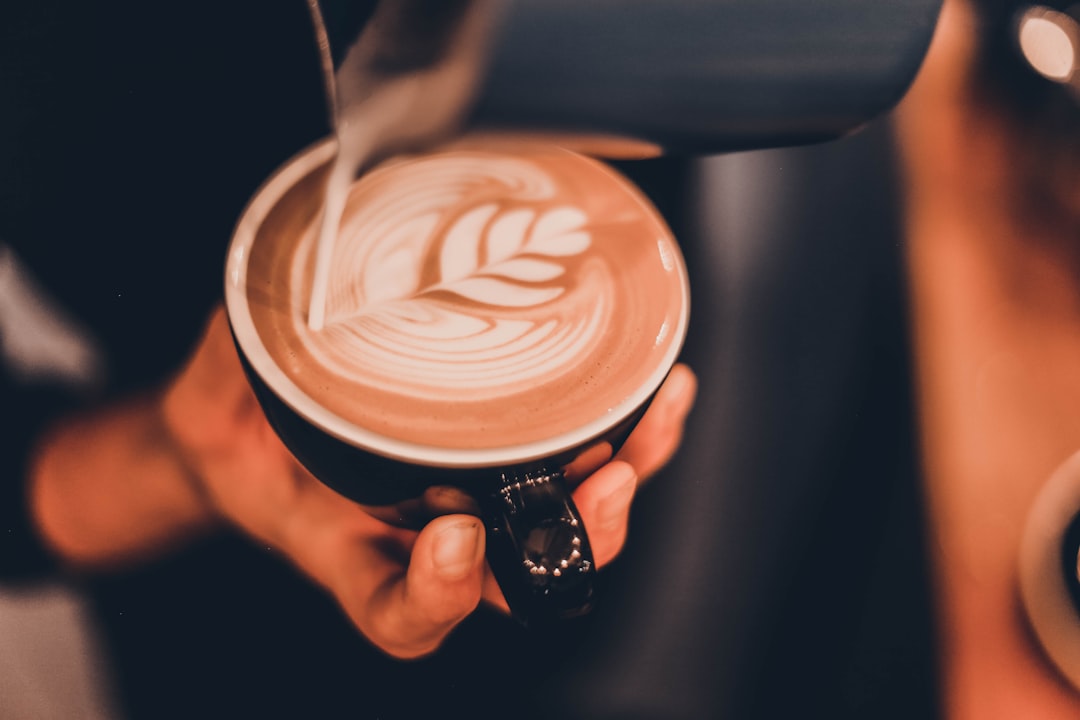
457,276
479,298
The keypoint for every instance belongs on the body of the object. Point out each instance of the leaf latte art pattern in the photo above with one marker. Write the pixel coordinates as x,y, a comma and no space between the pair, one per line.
457,274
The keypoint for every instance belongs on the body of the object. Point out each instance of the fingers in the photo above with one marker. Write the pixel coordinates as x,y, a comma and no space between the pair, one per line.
411,612
604,502
659,433
605,497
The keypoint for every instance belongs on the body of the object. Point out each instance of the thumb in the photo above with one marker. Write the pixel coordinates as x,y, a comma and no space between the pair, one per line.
440,588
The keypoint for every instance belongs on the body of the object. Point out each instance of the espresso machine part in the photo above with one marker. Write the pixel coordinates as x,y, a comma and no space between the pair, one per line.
686,76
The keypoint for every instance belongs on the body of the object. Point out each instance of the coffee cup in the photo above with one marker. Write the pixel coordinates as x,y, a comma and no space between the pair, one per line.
499,314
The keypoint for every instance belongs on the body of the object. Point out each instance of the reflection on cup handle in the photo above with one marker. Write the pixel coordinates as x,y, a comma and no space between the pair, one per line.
1049,585
538,549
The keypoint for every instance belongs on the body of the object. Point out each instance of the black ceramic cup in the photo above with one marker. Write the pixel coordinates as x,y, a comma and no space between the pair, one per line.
537,545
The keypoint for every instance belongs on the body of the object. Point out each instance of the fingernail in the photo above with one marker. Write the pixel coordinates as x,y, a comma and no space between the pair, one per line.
456,550
612,509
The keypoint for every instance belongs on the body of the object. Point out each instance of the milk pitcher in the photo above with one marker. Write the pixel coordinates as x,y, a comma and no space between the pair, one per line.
683,76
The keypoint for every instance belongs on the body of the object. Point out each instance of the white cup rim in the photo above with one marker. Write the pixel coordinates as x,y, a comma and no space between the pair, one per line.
298,401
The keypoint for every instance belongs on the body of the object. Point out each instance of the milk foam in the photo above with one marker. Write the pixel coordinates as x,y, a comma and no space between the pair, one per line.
436,290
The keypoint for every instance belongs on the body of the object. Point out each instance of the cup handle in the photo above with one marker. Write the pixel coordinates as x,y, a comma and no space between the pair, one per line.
538,549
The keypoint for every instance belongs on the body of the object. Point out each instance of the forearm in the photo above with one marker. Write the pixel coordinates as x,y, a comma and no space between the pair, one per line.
111,487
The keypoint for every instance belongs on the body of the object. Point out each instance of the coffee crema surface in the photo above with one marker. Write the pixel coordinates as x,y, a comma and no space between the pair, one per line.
482,296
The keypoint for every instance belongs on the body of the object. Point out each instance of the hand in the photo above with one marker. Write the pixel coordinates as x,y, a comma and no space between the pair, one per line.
404,590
